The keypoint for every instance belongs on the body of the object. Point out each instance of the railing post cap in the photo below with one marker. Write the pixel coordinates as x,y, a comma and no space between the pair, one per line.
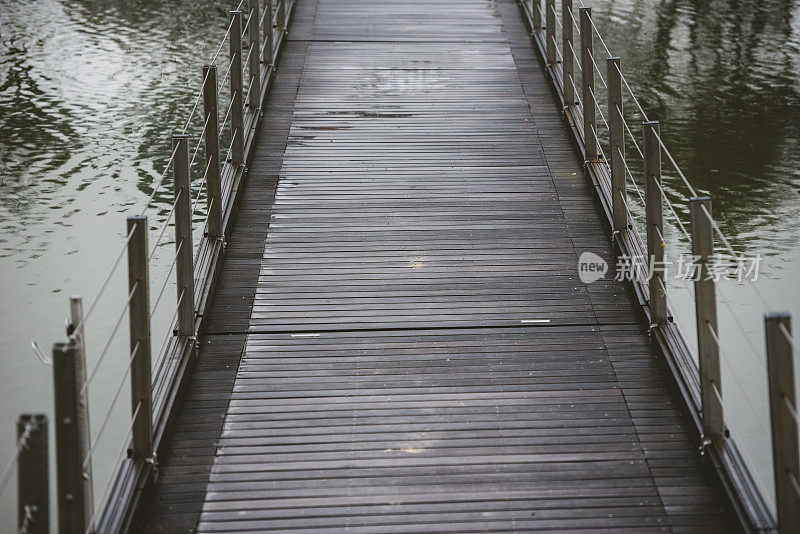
699,199
651,123
209,67
34,419
778,316
62,347
234,12
615,59
586,9
180,135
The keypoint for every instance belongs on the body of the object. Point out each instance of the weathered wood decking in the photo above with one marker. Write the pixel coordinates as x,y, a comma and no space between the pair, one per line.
399,341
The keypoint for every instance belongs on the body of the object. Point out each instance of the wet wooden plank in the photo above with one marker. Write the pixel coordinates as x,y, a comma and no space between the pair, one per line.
418,353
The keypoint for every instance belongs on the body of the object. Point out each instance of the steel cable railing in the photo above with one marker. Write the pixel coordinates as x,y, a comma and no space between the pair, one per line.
202,198
653,197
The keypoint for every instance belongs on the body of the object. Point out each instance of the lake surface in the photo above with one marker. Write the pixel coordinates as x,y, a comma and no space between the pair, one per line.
90,91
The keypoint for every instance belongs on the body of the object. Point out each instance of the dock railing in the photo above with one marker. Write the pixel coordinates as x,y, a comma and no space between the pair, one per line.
254,36
207,166
626,172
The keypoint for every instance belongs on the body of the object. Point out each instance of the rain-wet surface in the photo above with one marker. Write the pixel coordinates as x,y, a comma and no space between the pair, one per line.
90,91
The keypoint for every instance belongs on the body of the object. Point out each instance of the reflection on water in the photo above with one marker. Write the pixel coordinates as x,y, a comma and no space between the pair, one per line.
89,94
723,77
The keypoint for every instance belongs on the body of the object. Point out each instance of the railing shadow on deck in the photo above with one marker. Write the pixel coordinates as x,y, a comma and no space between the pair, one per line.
255,35
572,73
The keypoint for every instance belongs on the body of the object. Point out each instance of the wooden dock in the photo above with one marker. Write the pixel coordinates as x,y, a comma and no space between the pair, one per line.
398,340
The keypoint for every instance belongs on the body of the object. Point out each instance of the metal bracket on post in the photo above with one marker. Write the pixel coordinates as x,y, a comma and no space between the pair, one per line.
33,493
706,314
213,183
184,268
783,416
237,110
550,32
254,30
139,318
568,45
70,486
654,218
587,81
616,134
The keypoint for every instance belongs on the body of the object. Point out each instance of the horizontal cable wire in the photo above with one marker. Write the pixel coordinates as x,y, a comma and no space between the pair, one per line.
114,331
166,277
164,225
111,406
736,379
630,133
170,331
104,285
160,180
117,464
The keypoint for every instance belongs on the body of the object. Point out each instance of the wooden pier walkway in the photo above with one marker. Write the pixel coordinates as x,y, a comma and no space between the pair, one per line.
399,340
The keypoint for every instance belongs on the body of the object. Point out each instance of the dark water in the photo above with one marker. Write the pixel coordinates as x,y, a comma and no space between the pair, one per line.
723,77
89,92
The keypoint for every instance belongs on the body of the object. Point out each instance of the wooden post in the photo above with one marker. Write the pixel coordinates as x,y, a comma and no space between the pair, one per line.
550,31
655,222
281,15
254,29
705,302
213,183
616,134
69,473
783,413
184,270
267,57
85,435
237,117
139,318
33,493
587,77
537,16
568,45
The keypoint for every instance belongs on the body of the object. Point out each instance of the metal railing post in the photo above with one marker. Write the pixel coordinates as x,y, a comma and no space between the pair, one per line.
139,319
213,184
616,134
70,487
281,15
568,61
254,30
237,110
587,82
706,314
85,435
537,15
783,413
267,30
654,217
550,32
183,236
33,493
